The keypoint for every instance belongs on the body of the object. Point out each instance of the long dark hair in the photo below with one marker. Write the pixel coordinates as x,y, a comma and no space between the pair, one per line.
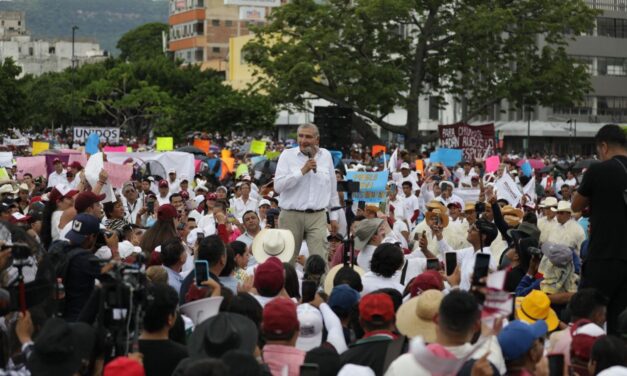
46,224
158,234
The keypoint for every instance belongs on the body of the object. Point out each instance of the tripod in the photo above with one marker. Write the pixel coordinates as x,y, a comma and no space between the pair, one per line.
349,187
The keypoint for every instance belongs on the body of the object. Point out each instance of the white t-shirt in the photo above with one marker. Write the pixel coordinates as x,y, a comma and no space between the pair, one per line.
373,282
54,224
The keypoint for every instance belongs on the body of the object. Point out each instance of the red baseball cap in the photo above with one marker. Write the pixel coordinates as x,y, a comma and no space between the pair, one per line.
184,195
428,280
56,160
163,184
76,165
124,366
270,275
279,317
376,307
167,211
86,199
211,197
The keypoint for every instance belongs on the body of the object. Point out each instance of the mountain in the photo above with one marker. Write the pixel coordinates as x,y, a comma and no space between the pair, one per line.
102,20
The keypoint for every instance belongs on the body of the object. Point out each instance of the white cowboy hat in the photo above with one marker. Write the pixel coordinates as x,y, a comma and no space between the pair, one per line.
548,202
273,242
562,206
8,188
203,309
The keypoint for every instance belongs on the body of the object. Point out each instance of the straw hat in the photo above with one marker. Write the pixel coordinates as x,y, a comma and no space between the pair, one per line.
271,242
537,306
200,310
512,216
415,316
548,202
469,206
563,206
435,204
438,213
328,280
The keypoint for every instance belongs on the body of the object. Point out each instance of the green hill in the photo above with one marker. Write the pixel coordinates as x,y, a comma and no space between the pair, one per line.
102,20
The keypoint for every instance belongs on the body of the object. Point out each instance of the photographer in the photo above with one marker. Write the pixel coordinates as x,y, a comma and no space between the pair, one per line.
84,267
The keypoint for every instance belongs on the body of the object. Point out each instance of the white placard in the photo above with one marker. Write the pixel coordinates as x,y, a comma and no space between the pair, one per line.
507,189
252,13
110,135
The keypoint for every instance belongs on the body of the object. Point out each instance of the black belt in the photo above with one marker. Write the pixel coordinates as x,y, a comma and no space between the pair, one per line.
306,210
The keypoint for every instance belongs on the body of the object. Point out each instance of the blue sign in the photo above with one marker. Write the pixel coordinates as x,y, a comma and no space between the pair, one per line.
337,157
91,145
448,157
526,168
371,185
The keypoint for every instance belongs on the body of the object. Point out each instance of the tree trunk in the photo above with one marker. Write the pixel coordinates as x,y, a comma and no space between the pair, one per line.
365,130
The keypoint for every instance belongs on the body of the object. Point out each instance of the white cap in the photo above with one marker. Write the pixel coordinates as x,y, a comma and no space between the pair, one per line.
310,320
264,202
405,165
193,236
127,248
199,199
172,171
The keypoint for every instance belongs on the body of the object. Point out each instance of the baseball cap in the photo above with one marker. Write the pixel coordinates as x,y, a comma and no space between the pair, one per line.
427,280
343,298
83,225
270,275
518,337
264,202
404,165
376,307
310,320
167,211
56,160
86,199
171,171
124,366
211,197
163,184
279,317
76,165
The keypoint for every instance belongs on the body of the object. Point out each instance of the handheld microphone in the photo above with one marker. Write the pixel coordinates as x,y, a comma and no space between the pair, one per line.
310,154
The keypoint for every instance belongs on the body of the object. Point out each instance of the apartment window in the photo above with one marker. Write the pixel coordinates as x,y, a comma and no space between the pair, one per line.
51,50
228,23
215,50
586,61
582,108
612,106
215,22
612,66
189,56
30,51
612,27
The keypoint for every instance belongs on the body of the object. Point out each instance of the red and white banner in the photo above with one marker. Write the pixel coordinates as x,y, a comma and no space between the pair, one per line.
474,140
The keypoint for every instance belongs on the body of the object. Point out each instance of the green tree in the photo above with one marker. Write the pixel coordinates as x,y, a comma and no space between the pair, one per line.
143,42
375,56
11,95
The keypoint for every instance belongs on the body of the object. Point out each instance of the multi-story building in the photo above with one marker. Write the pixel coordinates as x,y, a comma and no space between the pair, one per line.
200,29
12,24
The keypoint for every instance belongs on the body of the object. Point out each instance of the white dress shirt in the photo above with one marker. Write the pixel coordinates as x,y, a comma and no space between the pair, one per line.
131,210
314,190
373,282
55,179
466,262
242,206
399,179
410,205
570,234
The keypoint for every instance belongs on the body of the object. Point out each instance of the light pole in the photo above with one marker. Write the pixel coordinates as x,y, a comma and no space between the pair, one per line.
74,28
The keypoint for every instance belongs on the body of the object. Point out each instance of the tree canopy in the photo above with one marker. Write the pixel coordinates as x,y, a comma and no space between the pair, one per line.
143,42
375,56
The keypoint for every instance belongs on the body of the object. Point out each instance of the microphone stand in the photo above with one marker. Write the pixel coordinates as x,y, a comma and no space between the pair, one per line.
348,256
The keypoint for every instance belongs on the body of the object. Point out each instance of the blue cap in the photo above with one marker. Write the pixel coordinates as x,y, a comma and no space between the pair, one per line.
82,226
518,337
343,297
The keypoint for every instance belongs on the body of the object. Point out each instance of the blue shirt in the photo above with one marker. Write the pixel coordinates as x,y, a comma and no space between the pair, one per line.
174,279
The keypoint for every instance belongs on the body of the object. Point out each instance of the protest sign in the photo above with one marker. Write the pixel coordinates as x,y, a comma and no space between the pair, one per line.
507,189
448,157
92,143
115,149
165,143
258,147
230,163
110,135
472,139
94,165
371,185
225,153
118,174
420,166
4,175
6,159
467,194
22,141
39,146
376,149
526,168
203,145
35,166
129,149
271,155
242,169
492,163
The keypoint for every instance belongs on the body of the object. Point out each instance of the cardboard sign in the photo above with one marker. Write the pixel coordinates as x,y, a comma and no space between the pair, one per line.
371,185
448,157
420,166
376,149
203,145
115,149
35,166
91,146
474,140
165,143
39,146
118,174
258,147
492,163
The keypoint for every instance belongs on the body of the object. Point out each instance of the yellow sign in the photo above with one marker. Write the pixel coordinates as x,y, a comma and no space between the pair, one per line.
3,173
272,154
241,170
129,149
165,143
258,147
38,147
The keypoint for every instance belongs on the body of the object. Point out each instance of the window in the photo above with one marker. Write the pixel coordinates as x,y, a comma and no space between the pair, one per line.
612,27
612,66
215,22
583,108
228,23
215,50
189,56
30,51
587,61
51,50
612,106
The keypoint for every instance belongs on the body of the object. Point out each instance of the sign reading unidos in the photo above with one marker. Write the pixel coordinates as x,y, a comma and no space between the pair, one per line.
109,135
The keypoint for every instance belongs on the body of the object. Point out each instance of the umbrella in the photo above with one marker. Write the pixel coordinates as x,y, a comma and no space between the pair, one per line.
535,163
585,164
263,171
191,149
547,169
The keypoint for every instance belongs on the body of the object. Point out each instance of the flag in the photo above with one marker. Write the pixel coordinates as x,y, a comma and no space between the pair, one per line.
392,162
530,189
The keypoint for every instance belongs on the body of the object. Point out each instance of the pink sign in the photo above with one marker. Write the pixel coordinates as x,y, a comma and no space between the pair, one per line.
118,174
115,149
492,163
80,158
196,165
36,166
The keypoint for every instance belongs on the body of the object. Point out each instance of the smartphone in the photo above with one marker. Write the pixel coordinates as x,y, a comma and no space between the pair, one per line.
200,235
309,369
308,291
436,220
433,264
201,268
361,205
451,262
556,364
270,220
150,206
482,264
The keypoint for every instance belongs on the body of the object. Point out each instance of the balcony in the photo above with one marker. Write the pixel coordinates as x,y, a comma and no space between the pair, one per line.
187,16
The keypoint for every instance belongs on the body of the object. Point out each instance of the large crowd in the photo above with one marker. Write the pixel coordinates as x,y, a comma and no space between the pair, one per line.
198,275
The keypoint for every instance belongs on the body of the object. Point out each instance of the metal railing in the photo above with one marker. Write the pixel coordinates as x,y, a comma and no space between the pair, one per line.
613,5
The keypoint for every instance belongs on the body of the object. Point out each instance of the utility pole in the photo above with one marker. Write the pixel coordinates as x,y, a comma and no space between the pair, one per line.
74,66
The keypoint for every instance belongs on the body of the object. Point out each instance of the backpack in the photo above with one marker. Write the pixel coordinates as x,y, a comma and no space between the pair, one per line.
57,260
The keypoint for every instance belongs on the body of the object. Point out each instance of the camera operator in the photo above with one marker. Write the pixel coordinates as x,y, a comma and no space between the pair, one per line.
84,267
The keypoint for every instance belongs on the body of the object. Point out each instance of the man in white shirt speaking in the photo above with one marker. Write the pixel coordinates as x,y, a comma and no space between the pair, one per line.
305,180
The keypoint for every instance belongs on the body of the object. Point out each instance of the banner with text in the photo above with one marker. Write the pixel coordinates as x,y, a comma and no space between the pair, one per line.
371,185
109,135
474,140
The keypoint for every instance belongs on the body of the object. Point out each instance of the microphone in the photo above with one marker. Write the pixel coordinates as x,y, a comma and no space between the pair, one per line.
310,154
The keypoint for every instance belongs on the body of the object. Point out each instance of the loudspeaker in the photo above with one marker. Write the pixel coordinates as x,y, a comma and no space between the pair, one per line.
335,126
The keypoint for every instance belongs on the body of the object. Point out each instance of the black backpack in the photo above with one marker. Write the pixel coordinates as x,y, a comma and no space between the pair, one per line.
57,261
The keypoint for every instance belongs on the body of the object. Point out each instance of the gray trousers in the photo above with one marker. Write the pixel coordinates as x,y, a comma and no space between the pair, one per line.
311,227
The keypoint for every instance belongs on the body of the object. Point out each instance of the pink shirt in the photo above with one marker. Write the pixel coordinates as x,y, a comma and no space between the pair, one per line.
277,357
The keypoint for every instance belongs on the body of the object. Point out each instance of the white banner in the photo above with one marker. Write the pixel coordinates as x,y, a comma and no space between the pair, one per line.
182,162
15,141
109,135
254,3
506,188
467,195
6,159
530,190
252,13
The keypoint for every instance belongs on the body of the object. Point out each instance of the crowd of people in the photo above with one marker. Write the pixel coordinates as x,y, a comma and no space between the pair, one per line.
178,275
